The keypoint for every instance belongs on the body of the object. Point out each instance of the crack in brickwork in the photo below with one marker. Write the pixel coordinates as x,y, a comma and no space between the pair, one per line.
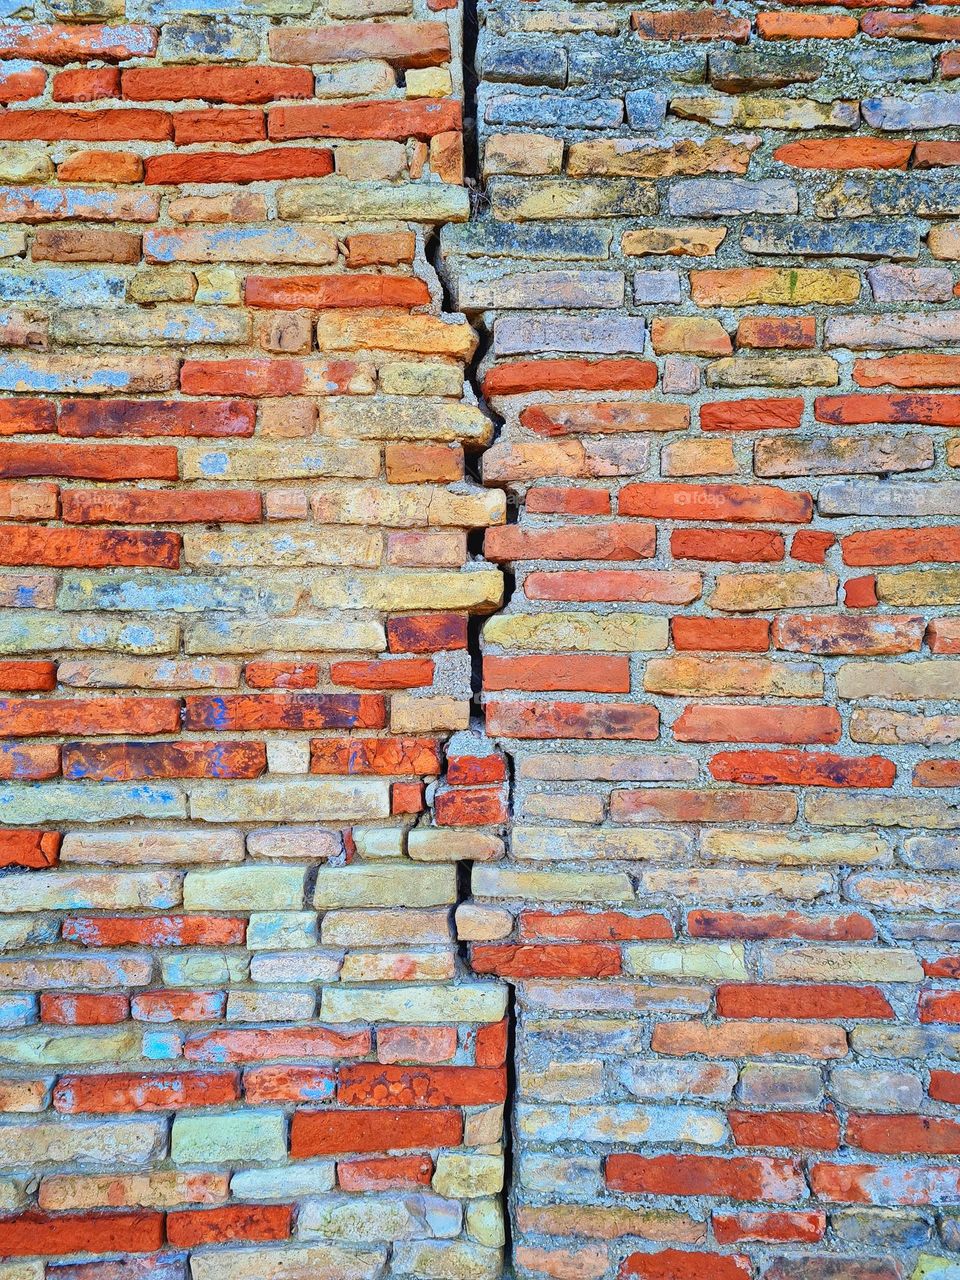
716,254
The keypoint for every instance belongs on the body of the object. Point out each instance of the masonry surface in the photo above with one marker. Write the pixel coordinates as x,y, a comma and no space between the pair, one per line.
479,645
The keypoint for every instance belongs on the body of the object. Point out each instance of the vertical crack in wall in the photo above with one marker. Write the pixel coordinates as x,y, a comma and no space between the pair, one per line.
473,378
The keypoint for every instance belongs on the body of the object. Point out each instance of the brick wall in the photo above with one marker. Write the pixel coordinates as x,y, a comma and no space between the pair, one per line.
238,1041
717,273
285,415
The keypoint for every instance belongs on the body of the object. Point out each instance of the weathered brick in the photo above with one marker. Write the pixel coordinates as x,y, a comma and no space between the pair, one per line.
34,1233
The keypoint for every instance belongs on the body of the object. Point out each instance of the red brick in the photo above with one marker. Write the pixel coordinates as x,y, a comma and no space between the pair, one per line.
801,1227
383,756
161,506
29,716
29,762
397,1044
570,375
239,167
898,1135
806,26
27,417
939,545
854,410
691,24
590,926
21,84
86,84
721,635
811,546
701,723
594,720
145,1091
557,671
155,931
281,675
799,1130
687,804
471,771
246,1223
802,768
734,502
369,1084
218,124
325,1133
388,1173
491,1043
216,83
737,545
737,1178
407,797
860,593
20,847
101,166
288,1084
845,153
470,807
397,120
83,1009
89,461
58,42
550,501
571,542
51,1235
509,960
266,377
395,673
912,26
603,418
936,773
426,633
813,1000
133,761
940,1006
88,548
943,635
944,1085
293,292
284,711
789,333
685,1264
25,676
125,124
157,418
405,44
821,633
751,415
178,1006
